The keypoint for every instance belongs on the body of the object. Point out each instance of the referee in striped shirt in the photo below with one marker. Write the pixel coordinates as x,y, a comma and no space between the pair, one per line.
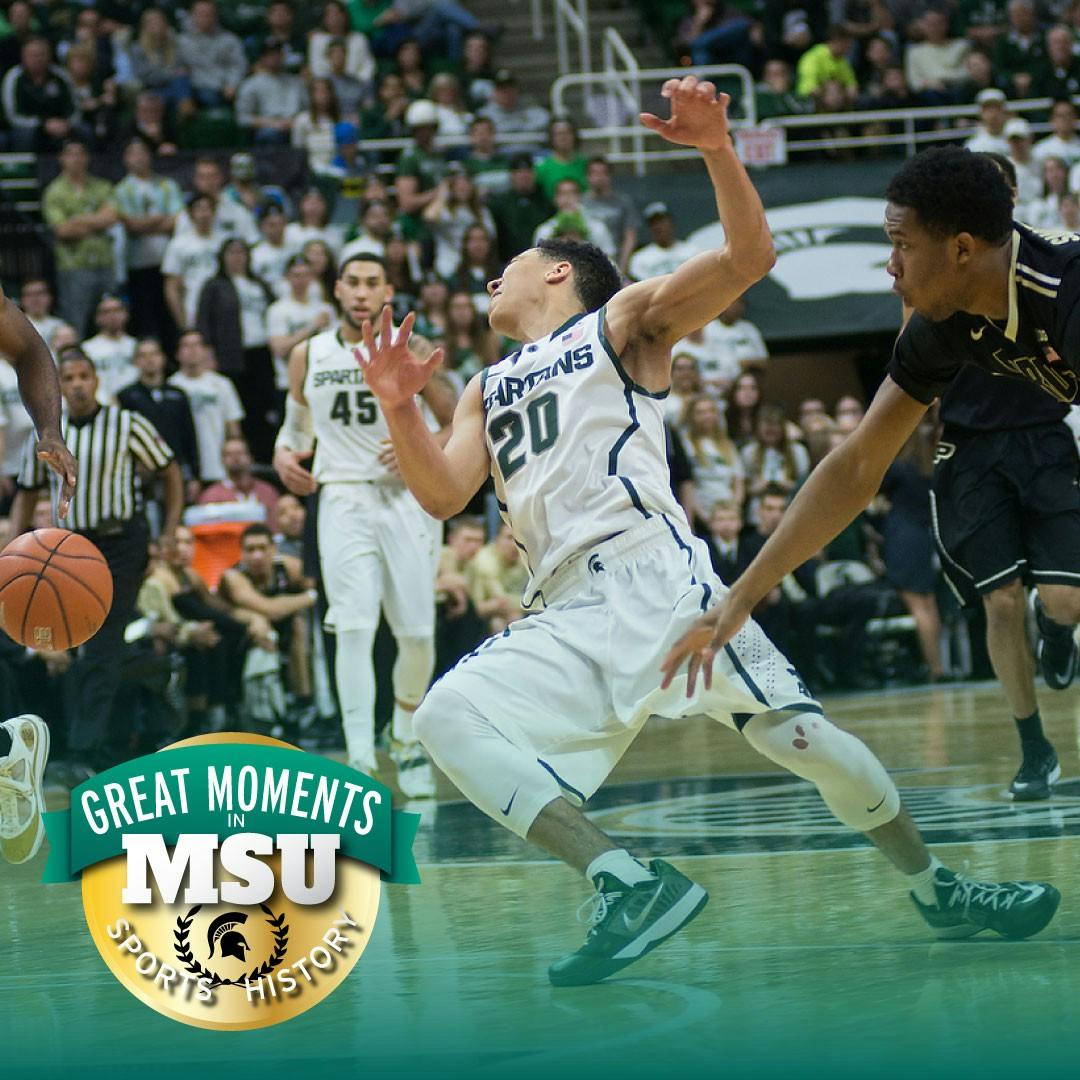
112,445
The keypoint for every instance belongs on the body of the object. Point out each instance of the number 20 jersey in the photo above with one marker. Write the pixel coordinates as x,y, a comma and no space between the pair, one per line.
578,450
349,425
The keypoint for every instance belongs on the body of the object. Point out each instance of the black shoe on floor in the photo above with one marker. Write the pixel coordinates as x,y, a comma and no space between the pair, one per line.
1058,654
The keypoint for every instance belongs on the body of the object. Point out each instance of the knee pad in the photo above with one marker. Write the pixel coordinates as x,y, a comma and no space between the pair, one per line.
851,780
413,668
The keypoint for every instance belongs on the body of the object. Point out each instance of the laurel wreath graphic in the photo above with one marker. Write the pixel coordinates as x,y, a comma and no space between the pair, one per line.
182,948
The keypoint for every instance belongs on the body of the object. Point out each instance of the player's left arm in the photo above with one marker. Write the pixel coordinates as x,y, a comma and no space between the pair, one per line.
661,311
439,393
40,391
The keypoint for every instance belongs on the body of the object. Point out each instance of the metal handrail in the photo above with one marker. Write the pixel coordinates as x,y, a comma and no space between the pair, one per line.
626,88
572,15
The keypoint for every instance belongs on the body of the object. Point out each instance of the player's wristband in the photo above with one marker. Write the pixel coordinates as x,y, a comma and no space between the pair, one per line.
296,433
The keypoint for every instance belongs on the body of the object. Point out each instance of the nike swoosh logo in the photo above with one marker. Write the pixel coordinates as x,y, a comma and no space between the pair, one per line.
976,335
871,809
511,802
636,923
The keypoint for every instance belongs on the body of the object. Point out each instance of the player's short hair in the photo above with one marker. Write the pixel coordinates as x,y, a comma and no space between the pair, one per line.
1008,169
256,529
189,331
773,490
953,190
73,354
463,521
596,280
362,256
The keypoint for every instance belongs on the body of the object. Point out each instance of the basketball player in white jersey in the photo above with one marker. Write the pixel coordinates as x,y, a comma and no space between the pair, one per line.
377,548
571,427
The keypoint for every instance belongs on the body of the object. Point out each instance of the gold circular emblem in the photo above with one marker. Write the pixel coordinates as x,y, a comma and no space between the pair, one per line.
231,966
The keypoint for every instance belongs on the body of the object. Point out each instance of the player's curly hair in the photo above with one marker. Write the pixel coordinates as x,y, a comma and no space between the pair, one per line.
596,280
953,190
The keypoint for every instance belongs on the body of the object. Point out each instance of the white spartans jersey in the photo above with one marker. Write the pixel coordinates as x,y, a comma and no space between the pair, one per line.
578,449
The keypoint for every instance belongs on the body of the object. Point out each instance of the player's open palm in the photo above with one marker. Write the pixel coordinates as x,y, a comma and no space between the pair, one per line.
697,648
392,371
698,114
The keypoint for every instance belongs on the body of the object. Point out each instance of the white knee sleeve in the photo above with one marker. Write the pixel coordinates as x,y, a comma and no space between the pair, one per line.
853,783
354,672
412,669
497,776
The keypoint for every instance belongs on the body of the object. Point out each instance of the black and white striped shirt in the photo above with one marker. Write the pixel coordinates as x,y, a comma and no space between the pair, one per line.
106,445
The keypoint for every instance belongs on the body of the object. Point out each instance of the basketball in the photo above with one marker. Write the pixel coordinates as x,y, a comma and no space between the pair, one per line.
55,589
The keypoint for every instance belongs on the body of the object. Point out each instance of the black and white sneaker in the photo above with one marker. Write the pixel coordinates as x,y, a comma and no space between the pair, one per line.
1057,651
626,922
1038,773
1013,909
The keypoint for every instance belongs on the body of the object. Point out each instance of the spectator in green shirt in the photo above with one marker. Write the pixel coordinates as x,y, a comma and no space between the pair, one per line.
827,63
565,161
79,210
420,168
485,163
775,95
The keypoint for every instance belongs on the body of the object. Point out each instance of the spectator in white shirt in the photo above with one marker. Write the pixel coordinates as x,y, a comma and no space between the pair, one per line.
269,99
935,64
190,260
335,26
231,218
454,209
313,129
295,318
111,348
1028,178
1063,143
314,214
990,138
1044,213
725,348
15,428
270,256
665,252
215,405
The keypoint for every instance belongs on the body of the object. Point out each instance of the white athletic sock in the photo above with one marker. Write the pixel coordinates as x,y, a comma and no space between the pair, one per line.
922,883
619,864
355,674
401,726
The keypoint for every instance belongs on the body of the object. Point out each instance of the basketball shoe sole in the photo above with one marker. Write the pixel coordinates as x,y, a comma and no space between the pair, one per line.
22,799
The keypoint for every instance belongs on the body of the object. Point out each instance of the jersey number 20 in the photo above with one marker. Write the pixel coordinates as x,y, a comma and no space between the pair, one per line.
542,420
366,411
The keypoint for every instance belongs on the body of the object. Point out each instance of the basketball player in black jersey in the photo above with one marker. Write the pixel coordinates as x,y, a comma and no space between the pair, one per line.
986,291
24,740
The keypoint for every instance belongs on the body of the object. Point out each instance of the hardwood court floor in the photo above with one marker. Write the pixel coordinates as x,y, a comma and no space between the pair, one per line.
809,959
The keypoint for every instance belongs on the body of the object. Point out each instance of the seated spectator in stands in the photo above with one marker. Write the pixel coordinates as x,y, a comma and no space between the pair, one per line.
313,223
269,98
719,474
455,207
150,122
444,92
1043,213
63,337
497,578
989,136
386,117
112,348
519,211
724,540
1058,75
935,65
155,62
459,628
564,159
95,97
20,27
1028,178
350,93
167,407
17,427
773,458
239,483
790,29
289,515
213,57
1063,141
685,384
827,63
848,413
376,225
99,34
78,209
437,25
509,114
245,188
485,163
409,64
617,210
1019,53
984,21
469,342
38,101
334,29
665,252
732,345
477,72
36,299
323,262
431,306
741,406
402,273
420,168
190,260
979,75
215,405
270,256
1069,213
231,218
347,163
295,317
714,32
813,417
477,264
280,29
568,202
775,94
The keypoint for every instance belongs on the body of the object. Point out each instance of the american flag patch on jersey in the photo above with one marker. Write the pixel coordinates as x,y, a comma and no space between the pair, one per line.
572,335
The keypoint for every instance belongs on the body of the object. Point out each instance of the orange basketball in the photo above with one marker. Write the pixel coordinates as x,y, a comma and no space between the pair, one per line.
55,589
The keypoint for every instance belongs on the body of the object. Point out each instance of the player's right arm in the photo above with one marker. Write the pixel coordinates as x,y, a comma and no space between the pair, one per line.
297,436
442,478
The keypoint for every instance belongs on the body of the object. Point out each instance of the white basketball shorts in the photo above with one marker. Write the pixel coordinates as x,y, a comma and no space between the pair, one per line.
378,549
574,683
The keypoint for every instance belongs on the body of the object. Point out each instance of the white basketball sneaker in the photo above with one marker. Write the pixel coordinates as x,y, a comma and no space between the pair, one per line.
415,775
21,799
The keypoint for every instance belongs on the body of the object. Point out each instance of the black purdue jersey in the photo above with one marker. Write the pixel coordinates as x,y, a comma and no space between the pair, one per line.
1039,342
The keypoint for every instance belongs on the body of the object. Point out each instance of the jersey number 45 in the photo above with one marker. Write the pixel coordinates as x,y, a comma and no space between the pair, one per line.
366,411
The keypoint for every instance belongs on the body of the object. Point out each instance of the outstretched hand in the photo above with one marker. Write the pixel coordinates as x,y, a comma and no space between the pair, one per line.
698,114
392,371
700,644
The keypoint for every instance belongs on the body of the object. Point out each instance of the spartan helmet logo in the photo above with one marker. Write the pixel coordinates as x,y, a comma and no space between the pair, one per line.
223,929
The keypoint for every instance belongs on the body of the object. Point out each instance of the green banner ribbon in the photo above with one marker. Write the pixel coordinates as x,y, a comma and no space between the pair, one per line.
221,790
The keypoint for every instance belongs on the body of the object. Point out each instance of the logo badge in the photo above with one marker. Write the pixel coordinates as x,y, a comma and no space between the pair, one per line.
231,881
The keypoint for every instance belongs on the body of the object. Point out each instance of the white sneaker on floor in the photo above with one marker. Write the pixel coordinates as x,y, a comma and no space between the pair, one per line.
21,798
416,778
